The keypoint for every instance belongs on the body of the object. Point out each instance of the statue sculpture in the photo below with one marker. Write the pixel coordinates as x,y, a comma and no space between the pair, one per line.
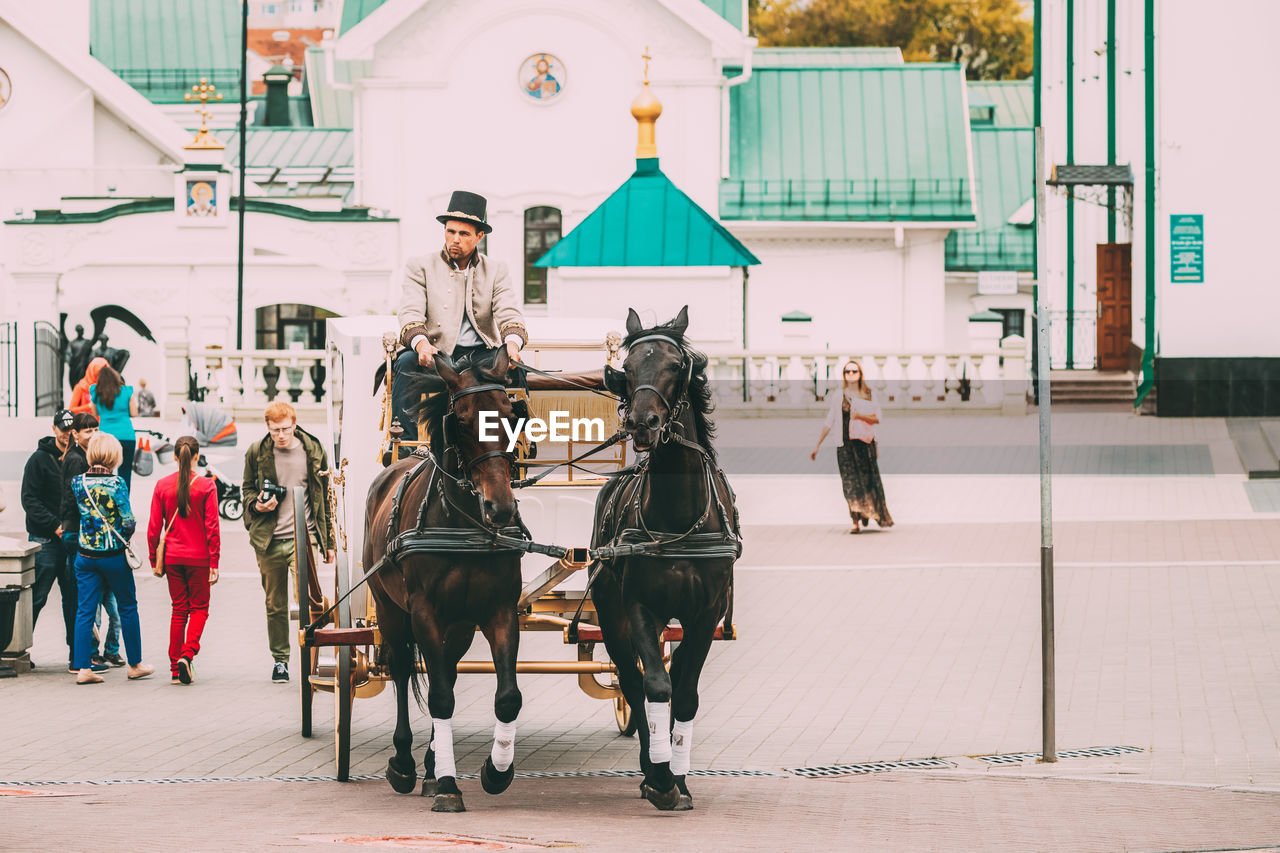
77,352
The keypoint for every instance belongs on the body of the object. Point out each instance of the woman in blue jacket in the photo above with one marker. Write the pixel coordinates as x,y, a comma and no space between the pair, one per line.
106,523
116,408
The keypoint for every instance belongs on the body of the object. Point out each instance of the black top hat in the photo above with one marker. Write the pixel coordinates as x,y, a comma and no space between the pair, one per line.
466,207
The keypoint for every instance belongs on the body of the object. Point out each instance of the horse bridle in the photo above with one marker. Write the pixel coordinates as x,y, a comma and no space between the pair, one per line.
467,465
665,434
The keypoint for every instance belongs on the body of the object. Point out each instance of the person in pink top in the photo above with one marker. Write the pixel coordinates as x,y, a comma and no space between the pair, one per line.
857,414
186,505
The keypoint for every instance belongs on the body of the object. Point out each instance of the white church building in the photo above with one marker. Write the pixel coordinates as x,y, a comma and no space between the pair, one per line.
849,179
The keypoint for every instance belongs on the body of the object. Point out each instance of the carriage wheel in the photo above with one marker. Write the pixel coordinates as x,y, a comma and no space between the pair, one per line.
343,695
622,713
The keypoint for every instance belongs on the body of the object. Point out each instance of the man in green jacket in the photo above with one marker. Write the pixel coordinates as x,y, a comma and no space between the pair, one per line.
287,456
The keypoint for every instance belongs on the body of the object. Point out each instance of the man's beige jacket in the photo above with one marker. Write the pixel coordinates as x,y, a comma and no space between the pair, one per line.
435,294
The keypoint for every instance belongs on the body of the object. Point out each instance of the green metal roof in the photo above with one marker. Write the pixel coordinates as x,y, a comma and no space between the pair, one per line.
314,161
648,222
730,10
1004,166
1013,100
355,11
329,106
865,143
163,47
824,57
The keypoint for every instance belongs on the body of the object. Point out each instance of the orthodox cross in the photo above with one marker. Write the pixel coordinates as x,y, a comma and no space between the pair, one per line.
204,92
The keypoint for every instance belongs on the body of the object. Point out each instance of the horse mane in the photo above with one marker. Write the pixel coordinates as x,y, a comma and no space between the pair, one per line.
700,397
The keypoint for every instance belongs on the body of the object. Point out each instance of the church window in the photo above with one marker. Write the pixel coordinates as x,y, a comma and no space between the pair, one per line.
542,230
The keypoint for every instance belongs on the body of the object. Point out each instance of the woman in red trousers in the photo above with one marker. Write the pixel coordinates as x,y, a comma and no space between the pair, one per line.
186,505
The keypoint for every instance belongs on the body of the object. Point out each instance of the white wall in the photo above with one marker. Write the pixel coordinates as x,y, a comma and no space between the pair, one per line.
863,291
1217,155
713,294
444,111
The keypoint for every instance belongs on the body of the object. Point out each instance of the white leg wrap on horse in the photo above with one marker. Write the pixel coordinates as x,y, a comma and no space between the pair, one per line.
504,744
681,746
659,716
442,745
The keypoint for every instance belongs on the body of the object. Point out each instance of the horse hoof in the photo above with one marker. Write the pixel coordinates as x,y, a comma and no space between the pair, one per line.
663,800
493,780
429,787
448,803
684,803
401,782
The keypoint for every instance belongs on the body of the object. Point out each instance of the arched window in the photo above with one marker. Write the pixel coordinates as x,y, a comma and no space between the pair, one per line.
541,232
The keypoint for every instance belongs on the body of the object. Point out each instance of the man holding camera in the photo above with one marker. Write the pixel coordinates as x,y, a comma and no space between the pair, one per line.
287,456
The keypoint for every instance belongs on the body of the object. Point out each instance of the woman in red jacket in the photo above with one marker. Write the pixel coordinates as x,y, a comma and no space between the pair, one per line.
187,506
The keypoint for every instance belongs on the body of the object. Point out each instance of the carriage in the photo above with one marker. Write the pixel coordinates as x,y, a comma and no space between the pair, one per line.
344,657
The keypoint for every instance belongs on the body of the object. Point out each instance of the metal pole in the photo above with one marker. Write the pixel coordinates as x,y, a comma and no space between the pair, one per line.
244,126
1035,232
1149,194
1048,750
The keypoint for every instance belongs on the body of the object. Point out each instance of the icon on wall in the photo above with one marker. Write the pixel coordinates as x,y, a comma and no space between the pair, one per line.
542,76
6,88
202,199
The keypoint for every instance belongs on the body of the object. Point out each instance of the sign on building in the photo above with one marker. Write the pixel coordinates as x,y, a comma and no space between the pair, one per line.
997,282
1186,248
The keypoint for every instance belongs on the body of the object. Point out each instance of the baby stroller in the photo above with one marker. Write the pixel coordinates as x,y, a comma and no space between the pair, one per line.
230,506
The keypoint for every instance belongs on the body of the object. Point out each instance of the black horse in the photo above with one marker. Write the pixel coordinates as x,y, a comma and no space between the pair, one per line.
433,526
667,538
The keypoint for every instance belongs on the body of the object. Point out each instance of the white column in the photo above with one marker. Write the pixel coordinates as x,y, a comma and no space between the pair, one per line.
177,348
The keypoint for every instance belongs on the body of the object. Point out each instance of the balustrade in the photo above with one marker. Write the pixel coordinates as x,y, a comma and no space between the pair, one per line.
971,380
250,379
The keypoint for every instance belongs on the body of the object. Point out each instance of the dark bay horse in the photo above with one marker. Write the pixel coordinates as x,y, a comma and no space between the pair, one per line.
668,539
431,523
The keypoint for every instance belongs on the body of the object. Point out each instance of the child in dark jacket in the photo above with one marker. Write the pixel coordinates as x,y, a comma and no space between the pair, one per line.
184,508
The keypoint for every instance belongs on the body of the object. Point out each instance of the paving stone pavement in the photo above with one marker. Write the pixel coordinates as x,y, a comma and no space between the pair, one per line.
916,642
891,811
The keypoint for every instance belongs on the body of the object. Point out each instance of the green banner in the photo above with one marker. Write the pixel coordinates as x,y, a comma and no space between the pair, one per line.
1186,248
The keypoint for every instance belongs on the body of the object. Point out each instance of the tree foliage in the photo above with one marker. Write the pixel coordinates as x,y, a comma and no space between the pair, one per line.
991,37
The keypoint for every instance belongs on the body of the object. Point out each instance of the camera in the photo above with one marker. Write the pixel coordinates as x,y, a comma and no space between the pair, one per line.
270,490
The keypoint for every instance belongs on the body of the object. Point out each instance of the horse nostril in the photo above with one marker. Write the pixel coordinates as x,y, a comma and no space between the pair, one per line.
490,508
652,420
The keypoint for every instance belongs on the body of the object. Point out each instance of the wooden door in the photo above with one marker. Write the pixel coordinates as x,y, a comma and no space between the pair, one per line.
1115,305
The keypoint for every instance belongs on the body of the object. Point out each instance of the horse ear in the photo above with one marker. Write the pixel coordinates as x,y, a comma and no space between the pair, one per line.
633,322
445,367
615,380
681,322
501,365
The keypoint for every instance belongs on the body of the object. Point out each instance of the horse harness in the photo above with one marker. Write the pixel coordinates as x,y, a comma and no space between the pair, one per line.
695,543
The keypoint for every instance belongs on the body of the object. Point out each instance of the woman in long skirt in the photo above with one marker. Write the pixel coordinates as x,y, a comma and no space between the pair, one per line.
857,415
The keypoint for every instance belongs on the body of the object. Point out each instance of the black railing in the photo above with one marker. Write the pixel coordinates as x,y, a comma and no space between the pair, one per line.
9,369
175,82
875,198
49,369
990,250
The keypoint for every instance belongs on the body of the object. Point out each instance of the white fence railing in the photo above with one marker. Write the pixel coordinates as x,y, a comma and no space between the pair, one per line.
948,381
242,379
765,381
